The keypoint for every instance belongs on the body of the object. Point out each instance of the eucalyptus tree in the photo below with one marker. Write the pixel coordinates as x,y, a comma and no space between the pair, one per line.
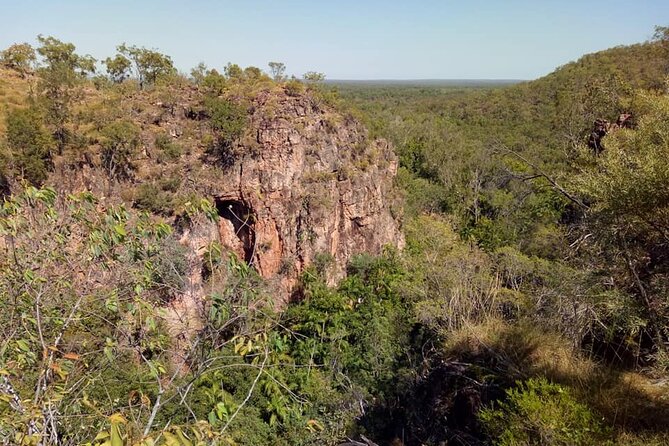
61,73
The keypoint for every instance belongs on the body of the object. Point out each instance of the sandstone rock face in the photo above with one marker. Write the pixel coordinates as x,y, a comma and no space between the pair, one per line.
305,181
312,185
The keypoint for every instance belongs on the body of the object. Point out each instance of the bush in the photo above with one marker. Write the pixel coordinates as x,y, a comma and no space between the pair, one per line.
30,144
169,150
454,283
150,197
541,413
170,267
228,121
294,87
120,141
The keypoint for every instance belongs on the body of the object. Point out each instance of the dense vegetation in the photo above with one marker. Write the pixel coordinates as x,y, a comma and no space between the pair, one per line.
528,307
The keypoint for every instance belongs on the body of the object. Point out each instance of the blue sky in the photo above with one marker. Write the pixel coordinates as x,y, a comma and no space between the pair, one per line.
363,39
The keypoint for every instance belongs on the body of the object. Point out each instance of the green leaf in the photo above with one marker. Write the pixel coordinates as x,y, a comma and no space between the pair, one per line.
120,230
23,345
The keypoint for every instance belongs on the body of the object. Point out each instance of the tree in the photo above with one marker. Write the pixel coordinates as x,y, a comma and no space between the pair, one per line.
199,72
661,34
233,71
213,83
626,186
313,76
71,269
58,54
228,121
83,336
150,65
20,57
30,144
253,73
278,71
118,68
60,76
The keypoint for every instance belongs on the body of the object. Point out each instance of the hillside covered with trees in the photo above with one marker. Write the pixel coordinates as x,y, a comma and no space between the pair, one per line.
243,258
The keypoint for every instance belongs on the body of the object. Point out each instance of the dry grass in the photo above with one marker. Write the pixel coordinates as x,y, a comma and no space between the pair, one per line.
13,93
636,406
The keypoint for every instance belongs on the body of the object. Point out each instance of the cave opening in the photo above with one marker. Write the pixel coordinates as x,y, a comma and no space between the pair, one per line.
237,227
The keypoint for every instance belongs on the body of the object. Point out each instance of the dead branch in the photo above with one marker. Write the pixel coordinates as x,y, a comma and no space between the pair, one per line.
540,173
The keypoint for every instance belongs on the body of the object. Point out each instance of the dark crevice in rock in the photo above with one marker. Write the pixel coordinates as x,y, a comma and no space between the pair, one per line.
5,190
242,218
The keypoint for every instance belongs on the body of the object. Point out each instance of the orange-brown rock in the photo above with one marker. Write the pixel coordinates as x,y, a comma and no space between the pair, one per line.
304,180
313,184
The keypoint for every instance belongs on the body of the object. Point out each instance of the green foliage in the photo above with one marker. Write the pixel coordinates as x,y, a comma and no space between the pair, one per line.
307,366
454,283
103,312
150,65
629,208
120,141
60,76
358,329
313,77
30,144
277,71
626,185
226,117
537,412
199,72
228,121
20,57
169,149
213,83
233,71
60,56
157,198
171,268
294,87
253,74
69,337
118,68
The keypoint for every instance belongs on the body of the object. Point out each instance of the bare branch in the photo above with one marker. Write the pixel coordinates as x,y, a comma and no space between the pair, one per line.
540,173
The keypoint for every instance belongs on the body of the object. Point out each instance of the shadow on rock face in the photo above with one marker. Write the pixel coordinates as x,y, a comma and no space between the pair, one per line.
237,227
4,186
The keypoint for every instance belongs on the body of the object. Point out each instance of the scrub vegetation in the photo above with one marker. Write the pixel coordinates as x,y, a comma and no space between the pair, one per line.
530,305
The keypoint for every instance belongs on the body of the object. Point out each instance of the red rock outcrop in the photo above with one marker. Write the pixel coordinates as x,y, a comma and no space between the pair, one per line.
312,183
602,127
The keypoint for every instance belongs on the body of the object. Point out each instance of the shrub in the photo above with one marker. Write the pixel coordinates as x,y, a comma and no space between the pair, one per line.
30,144
228,121
119,144
170,267
152,198
294,87
213,83
169,150
538,412
454,283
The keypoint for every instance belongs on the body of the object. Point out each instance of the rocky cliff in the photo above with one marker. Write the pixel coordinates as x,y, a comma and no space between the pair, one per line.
303,181
311,185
